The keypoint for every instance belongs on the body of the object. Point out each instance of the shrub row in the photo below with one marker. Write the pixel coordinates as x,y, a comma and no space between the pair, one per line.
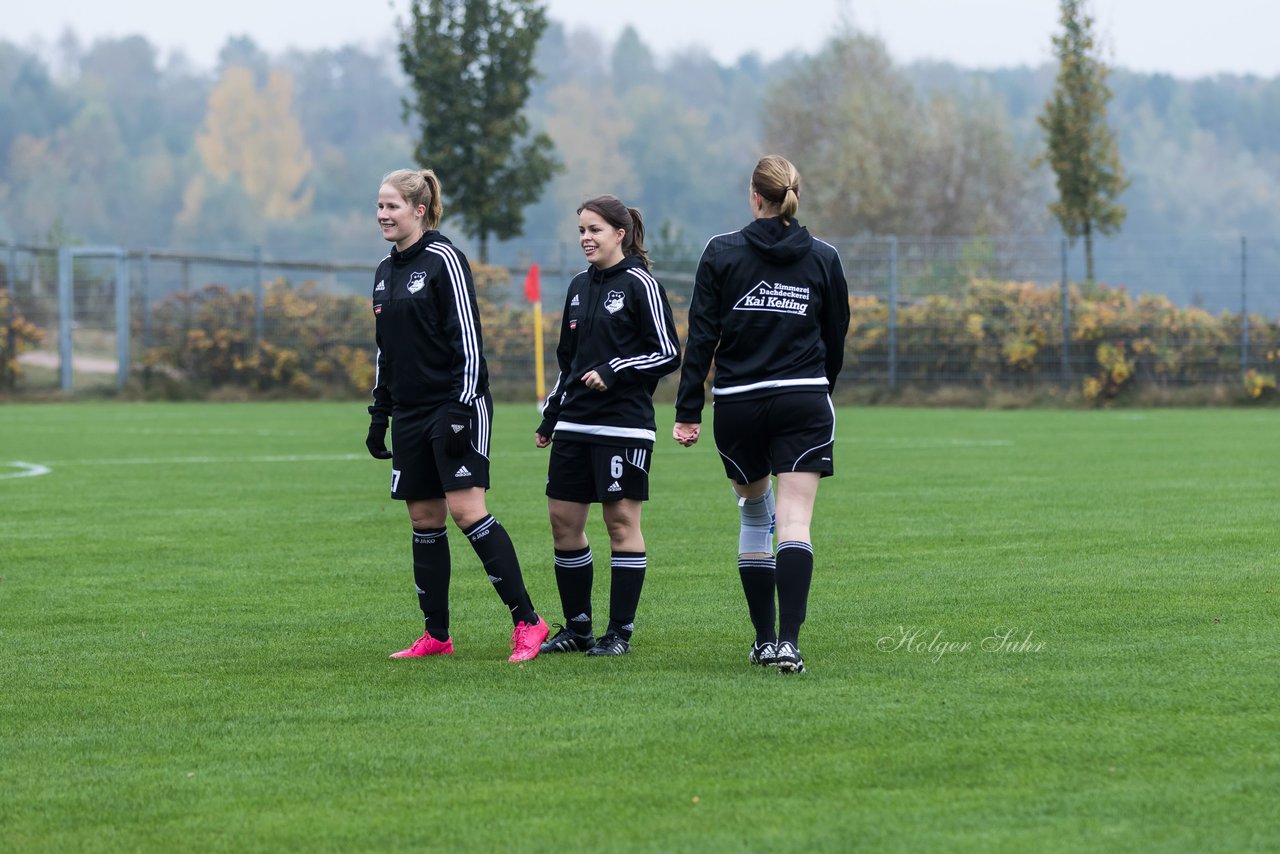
1012,333
992,333
17,335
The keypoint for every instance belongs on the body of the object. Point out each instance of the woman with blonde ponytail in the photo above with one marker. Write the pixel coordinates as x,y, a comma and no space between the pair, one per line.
432,386
771,307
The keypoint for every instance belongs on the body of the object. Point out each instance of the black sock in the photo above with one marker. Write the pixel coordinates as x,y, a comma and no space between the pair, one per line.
794,572
493,546
574,574
625,583
758,584
431,567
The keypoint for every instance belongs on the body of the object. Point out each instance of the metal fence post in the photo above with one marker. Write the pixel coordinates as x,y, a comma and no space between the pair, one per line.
1066,320
257,298
1244,306
122,319
146,299
11,286
893,311
64,316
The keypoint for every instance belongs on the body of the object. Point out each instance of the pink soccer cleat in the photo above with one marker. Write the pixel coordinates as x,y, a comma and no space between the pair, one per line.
526,639
426,645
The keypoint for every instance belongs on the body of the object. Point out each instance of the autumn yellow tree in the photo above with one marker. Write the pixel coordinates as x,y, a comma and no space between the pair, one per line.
251,135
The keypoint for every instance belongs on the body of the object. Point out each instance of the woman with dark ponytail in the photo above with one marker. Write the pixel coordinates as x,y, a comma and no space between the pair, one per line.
617,339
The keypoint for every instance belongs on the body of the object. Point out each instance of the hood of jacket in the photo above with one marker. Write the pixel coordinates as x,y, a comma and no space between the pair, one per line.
781,244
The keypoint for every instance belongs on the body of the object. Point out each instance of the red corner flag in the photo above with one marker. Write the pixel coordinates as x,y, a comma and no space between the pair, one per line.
532,286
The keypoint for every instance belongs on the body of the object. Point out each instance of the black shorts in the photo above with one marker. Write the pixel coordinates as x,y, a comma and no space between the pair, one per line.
584,472
420,469
795,431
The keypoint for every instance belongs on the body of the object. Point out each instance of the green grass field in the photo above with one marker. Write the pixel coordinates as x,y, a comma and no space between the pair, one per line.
197,602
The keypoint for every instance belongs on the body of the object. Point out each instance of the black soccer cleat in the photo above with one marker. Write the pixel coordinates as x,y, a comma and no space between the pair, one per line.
764,654
788,659
567,640
611,644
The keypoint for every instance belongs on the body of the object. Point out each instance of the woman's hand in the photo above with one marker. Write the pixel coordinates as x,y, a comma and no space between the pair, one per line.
686,434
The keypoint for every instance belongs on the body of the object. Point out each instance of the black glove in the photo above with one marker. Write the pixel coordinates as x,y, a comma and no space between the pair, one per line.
457,430
377,439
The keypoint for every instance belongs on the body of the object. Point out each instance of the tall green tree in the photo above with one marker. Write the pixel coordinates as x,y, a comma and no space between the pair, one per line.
470,68
1080,148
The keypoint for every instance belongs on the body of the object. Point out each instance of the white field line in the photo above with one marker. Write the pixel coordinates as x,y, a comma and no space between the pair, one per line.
35,469
23,470
922,443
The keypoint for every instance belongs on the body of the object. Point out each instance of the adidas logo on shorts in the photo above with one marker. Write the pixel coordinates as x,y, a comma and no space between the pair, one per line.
614,487
462,471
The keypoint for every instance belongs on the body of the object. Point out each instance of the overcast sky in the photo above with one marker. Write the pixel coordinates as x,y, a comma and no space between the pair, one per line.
1179,37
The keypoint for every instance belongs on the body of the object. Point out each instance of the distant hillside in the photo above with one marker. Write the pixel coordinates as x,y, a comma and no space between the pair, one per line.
114,147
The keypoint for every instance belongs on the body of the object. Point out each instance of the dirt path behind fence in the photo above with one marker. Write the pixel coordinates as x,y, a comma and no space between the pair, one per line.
84,364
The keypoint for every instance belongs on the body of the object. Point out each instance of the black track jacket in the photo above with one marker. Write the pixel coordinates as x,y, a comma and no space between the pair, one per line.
771,304
617,322
427,328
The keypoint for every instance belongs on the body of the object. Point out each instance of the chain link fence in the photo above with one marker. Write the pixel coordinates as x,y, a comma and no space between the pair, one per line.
1172,311
1006,311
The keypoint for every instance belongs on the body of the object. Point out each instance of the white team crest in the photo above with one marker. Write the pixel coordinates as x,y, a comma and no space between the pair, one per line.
417,281
613,302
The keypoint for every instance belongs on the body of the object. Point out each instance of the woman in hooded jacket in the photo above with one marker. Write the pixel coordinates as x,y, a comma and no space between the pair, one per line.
771,307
